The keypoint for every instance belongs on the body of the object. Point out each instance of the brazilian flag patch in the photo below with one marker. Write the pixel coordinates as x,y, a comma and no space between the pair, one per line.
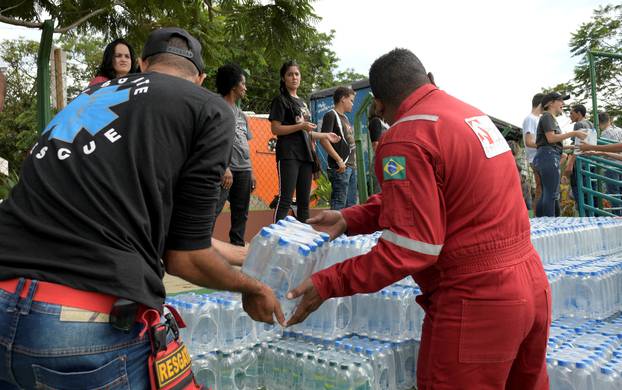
394,168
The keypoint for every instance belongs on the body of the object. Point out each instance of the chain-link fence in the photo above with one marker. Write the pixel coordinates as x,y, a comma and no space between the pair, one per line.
263,158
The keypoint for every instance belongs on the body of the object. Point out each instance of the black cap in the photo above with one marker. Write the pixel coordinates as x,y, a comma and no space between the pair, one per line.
552,96
157,42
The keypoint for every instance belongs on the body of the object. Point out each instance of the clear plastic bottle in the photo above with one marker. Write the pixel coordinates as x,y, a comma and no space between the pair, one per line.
227,369
206,331
298,370
259,253
243,329
309,371
228,316
608,379
205,370
362,376
344,377
320,373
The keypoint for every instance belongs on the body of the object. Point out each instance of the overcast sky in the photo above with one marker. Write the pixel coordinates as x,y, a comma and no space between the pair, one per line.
494,54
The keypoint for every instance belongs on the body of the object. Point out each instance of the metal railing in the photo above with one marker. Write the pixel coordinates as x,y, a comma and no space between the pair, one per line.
596,198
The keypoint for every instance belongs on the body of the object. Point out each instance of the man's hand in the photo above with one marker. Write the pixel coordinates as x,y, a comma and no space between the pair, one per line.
253,181
263,306
227,179
234,254
333,138
331,222
308,126
309,303
342,166
586,147
580,134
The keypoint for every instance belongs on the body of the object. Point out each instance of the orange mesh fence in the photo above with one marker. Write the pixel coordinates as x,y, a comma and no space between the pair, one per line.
263,158
264,163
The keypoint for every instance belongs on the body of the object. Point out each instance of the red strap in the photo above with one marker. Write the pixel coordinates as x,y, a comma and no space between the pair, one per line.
59,294
180,321
149,318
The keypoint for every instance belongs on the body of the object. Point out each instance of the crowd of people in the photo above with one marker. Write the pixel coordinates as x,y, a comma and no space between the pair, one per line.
99,216
551,162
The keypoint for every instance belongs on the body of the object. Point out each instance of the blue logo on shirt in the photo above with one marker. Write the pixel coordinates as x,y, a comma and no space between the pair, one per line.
89,112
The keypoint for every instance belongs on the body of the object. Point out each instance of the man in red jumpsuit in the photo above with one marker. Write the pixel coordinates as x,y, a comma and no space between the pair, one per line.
453,217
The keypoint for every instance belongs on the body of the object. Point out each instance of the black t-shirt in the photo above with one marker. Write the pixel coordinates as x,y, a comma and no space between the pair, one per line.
548,123
376,128
290,111
128,169
345,148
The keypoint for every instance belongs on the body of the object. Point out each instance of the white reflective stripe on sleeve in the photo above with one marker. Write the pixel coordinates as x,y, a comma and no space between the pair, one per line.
413,245
422,117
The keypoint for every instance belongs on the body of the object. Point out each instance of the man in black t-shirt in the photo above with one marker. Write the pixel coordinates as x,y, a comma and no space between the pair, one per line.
121,185
342,155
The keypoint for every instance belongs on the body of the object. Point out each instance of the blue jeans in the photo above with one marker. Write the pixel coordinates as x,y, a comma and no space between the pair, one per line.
546,162
38,350
345,192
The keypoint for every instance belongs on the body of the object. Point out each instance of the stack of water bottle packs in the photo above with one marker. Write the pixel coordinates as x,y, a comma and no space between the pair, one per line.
583,261
369,341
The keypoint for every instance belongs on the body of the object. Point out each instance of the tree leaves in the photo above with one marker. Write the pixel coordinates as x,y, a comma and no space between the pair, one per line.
602,33
259,35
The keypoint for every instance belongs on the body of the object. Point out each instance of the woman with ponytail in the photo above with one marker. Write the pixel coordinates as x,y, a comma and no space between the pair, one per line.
290,122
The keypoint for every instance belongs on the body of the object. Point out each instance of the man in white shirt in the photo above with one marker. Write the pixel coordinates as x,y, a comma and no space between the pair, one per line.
530,127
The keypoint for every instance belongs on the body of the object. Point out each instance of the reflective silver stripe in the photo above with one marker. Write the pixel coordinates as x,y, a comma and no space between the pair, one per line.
413,245
423,117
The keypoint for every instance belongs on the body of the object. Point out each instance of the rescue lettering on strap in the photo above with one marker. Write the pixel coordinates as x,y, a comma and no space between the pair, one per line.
172,366
413,245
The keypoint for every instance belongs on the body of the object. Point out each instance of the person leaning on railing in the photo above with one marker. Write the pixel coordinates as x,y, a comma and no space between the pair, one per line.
609,131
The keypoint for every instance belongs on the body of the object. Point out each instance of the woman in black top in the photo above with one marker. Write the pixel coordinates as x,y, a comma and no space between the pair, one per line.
290,122
549,141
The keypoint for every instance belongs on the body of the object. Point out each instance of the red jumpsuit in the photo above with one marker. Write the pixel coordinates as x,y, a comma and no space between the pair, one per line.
453,216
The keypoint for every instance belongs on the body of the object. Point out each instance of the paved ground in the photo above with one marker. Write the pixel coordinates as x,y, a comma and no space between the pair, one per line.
175,285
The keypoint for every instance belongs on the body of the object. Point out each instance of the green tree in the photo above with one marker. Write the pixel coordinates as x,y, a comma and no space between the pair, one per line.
603,32
18,120
348,76
259,35
84,54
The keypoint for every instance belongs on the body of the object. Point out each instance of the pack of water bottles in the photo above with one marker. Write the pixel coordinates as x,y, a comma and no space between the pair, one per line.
217,322
557,239
369,341
304,362
585,354
583,263
283,255
240,369
586,286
